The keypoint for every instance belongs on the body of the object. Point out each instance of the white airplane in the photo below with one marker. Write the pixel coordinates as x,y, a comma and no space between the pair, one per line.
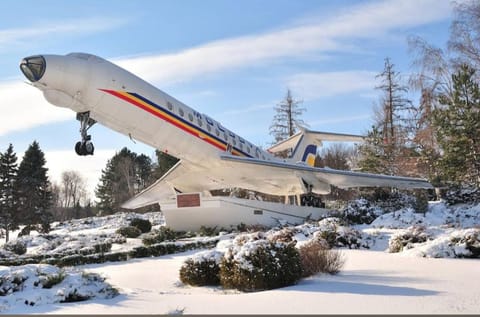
211,156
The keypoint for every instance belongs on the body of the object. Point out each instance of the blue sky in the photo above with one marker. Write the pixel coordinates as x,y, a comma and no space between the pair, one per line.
232,60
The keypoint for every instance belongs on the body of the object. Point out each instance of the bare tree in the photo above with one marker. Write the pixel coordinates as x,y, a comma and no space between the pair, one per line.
336,156
465,34
72,189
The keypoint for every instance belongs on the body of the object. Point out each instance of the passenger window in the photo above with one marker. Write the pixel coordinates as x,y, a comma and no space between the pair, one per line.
190,117
169,105
200,123
217,132
180,111
209,128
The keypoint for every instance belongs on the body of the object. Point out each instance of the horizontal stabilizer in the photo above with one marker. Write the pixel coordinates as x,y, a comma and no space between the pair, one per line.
304,141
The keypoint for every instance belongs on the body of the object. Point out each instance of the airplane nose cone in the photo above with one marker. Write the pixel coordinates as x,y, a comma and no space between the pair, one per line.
33,67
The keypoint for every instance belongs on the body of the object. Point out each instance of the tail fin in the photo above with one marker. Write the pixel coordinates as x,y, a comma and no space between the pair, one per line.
310,154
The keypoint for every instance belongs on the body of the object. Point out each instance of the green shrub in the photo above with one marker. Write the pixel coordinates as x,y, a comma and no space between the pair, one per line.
16,246
208,231
462,194
117,256
72,260
102,247
421,201
142,224
317,258
202,269
254,263
360,211
160,235
129,232
140,252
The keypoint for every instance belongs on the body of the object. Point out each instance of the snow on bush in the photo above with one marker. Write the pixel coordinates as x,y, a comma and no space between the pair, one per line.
17,247
402,218
254,263
361,211
406,238
48,245
160,235
466,194
202,269
337,235
464,243
42,284
468,239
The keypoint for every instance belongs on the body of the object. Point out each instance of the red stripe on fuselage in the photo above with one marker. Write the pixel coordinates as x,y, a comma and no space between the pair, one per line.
156,112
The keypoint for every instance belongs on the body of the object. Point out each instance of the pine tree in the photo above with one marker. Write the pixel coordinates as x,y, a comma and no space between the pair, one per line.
373,153
34,190
125,175
164,162
287,117
8,191
457,123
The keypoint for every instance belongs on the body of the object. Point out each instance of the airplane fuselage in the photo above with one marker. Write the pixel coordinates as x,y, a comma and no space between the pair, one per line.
126,103
129,105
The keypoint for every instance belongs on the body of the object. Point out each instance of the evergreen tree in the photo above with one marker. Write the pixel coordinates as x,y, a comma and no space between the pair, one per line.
144,166
373,153
457,123
164,162
8,191
125,175
287,117
34,190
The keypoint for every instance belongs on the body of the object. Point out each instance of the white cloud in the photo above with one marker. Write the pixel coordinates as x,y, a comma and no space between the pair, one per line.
90,167
62,27
369,20
317,85
24,107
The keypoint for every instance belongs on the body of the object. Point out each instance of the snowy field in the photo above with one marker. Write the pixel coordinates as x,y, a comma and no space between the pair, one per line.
424,277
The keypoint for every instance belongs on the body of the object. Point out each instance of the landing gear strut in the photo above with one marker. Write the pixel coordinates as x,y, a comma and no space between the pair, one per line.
85,147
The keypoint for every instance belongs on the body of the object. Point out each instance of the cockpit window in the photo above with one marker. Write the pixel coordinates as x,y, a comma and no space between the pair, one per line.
33,67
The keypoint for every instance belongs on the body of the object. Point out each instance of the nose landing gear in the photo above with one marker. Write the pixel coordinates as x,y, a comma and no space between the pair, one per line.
85,147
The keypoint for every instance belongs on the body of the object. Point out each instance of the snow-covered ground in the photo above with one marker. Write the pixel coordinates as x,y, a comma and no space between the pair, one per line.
371,282
421,278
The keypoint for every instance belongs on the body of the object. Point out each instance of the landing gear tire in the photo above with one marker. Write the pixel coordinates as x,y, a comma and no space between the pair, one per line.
78,148
85,146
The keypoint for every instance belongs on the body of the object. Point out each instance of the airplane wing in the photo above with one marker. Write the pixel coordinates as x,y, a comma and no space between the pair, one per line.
160,190
183,177
322,177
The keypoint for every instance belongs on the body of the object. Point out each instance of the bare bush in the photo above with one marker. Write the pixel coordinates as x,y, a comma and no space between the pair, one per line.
316,258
